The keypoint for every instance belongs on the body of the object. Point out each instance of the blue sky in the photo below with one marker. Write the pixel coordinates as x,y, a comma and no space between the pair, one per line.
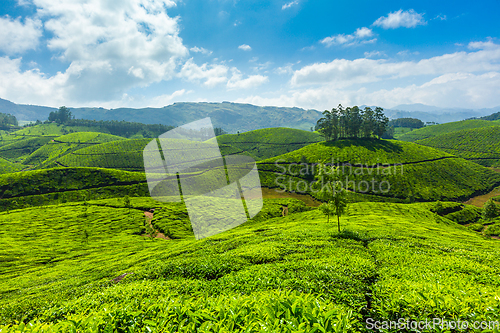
309,54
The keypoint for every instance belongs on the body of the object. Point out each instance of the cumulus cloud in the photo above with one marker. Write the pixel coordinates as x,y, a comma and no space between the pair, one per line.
31,86
407,19
17,37
112,46
289,4
448,90
360,36
237,81
212,75
343,72
245,47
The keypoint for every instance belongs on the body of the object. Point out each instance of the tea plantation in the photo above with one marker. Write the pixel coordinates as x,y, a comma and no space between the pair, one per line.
481,145
280,274
78,254
434,130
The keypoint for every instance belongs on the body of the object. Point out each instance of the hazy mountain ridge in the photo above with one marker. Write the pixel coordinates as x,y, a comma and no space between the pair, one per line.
234,117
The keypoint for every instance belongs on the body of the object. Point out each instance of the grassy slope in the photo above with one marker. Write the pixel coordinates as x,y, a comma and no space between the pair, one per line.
20,149
262,273
42,187
426,174
7,166
265,143
434,130
66,144
481,145
123,155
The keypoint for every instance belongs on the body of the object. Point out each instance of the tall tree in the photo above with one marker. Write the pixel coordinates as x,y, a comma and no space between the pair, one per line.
382,122
369,123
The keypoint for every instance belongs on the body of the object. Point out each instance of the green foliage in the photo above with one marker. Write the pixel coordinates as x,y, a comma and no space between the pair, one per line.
36,188
493,230
351,122
390,168
22,148
435,130
328,209
465,215
407,122
119,154
491,210
60,146
263,273
265,143
7,166
61,116
480,145
122,128
7,121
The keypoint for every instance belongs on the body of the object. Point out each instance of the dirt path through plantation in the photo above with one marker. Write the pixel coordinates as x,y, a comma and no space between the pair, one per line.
480,200
149,218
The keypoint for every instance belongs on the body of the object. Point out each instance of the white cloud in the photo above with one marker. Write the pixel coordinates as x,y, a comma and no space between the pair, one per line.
449,90
112,46
342,72
212,75
17,37
201,50
407,19
489,45
245,47
31,86
374,54
289,4
358,37
237,82
167,99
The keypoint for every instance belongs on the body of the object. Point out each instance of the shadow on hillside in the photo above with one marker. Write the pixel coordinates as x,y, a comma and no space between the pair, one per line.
370,144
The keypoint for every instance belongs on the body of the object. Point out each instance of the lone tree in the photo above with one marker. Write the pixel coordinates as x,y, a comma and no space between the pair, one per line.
333,193
490,209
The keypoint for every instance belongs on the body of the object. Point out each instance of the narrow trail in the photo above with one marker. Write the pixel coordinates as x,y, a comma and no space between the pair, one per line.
149,217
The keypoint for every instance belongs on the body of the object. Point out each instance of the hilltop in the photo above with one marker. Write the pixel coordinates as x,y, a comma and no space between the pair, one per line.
480,145
434,130
398,170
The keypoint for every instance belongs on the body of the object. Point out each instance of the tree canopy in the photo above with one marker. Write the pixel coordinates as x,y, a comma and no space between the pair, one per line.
351,122
407,122
7,120
61,116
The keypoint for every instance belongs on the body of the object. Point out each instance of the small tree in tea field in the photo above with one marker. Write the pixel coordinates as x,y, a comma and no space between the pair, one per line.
332,192
491,209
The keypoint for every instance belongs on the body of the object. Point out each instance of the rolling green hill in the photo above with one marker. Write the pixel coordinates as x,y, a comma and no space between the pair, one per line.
48,186
480,145
392,261
383,168
120,154
267,142
60,146
7,166
434,130
20,149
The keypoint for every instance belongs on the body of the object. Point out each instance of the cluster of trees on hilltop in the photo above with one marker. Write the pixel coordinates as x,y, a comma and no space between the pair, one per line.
7,120
407,122
351,122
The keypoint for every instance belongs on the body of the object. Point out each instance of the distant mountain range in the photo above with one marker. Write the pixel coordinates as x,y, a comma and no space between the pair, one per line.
233,117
